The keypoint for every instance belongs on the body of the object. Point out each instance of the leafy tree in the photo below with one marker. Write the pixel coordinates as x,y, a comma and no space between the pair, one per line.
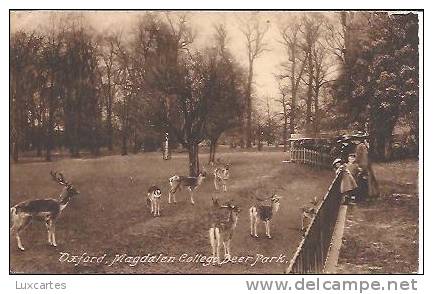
227,86
386,78
25,84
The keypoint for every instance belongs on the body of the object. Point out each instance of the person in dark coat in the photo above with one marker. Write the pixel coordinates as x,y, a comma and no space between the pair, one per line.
364,163
348,184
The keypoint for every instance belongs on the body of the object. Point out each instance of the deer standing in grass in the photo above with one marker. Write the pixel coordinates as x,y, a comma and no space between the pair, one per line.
191,183
154,200
221,177
265,213
46,210
225,218
308,212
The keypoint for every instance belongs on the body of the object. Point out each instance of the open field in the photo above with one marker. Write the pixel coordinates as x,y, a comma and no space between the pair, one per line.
111,217
382,236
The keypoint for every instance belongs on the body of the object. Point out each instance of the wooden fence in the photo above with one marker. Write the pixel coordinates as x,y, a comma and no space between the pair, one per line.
310,157
311,254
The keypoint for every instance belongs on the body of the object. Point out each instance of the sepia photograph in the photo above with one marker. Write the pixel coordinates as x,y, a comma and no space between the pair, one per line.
215,142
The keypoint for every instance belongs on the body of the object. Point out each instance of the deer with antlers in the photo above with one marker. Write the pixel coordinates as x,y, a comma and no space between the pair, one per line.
191,183
46,210
265,213
225,218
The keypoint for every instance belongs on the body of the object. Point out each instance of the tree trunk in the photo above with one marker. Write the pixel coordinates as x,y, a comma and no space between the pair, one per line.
387,148
249,105
194,164
39,142
50,125
316,111
212,151
136,143
285,133
110,121
124,143
259,141
259,145
15,151
292,115
309,92
49,140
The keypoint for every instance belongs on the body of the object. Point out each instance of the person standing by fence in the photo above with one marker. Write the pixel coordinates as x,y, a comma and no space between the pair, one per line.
364,162
348,184
354,169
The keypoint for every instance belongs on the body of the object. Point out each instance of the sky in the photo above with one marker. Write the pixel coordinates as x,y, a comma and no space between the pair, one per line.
265,67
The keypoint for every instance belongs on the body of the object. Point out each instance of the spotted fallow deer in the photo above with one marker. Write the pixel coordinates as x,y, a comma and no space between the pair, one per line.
46,210
154,200
191,183
225,218
265,213
221,177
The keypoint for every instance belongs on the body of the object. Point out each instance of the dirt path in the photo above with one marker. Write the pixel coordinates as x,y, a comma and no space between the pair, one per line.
381,236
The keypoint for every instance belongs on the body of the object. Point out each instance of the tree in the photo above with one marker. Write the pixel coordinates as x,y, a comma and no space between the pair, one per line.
322,69
127,92
25,84
293,68
384,76
52,62
110,76
171,39
311,32
254,32
343,39
191,104
227,84
80,89
270,125
391,74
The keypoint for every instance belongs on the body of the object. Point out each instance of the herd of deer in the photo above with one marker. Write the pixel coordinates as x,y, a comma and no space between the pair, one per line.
224,216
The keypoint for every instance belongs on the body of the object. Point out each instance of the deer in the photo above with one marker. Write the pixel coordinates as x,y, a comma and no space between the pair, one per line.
265,213
225,218
308,212
154,200
45,210
191,183
221,176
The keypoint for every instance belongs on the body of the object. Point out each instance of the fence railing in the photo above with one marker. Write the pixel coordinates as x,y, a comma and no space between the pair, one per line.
310,157
311,254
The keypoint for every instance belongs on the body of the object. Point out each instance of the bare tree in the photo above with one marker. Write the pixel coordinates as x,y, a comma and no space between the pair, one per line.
270,125
294,67
322,70
311,32
254,32
227,91
110,74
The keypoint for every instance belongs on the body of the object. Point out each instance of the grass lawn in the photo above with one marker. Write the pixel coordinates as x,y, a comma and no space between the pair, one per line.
382,236
110,215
